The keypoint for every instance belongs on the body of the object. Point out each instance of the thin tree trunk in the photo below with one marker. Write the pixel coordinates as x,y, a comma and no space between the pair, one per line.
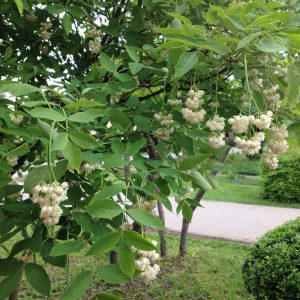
162,233
185,223
153,154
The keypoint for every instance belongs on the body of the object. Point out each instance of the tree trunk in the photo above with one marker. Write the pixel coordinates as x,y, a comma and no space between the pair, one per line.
113,257
153,154
185,223
162,233
185,226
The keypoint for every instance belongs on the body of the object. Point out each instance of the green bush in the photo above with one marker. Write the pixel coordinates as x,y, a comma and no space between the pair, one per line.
282,184
272,268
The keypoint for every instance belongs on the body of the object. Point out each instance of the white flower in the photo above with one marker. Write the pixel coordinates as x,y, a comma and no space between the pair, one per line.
12,161
46,35
279,132
95,47
16,119
50,214
217,123
240,124
246,100
264,121
174,102
249,146
270,159
217,140
94,33
278,146
193,117
88,168
272,97
31,17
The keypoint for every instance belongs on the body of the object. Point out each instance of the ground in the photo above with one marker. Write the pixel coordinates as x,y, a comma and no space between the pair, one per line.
211,270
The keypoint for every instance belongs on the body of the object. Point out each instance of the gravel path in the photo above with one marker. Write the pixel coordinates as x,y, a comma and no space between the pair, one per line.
232,221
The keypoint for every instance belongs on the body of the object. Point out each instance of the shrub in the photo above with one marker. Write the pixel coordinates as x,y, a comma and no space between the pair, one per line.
282,184
272,269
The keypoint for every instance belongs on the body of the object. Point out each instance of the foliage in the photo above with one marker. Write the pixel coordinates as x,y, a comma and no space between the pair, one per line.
240,164
88,137
281,184
272,269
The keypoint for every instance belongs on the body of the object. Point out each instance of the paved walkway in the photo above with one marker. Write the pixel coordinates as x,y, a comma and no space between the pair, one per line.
232,221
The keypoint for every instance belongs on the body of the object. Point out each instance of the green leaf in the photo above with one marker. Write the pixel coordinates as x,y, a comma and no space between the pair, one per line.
187,212
293,86
136,240
10,266
135,67
132,53
66,248
216,46
67,22
84,220
200,181
192,161
126,260
46,113
107,63
38,278
186,62
19,89
113,274
73,154
78,286
183,19
8,285
61,141
86,116
145,218
106,243
133,149
270,45
108,192
20,6
76,11
19,151
105,209
246,40
55,9
83,140
106,296
34,177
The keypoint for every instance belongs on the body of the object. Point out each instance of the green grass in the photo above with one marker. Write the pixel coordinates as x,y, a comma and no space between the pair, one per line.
240,164
241,189
211,270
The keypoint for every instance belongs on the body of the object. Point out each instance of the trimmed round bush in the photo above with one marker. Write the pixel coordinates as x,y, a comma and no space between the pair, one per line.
272,268
282,184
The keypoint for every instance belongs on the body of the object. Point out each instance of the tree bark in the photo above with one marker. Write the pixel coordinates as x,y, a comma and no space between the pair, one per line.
162,233
113,257
153,154
185,223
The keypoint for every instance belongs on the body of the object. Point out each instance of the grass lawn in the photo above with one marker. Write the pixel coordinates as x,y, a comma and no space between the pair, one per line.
212,270
241,189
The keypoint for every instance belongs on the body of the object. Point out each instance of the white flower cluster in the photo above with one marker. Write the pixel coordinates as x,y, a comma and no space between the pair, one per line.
18,140
145,205
255,83
88,168
270,159
12,161
49,196
240,124
217,140
272,97
16,119
146,263
191,112
94,33
174,102
216,124
250,146
246,101
94,47
167,123
264,121
44,49
45,30
31,17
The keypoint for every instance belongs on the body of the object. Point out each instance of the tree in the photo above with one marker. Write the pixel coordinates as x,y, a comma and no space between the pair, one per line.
110,107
